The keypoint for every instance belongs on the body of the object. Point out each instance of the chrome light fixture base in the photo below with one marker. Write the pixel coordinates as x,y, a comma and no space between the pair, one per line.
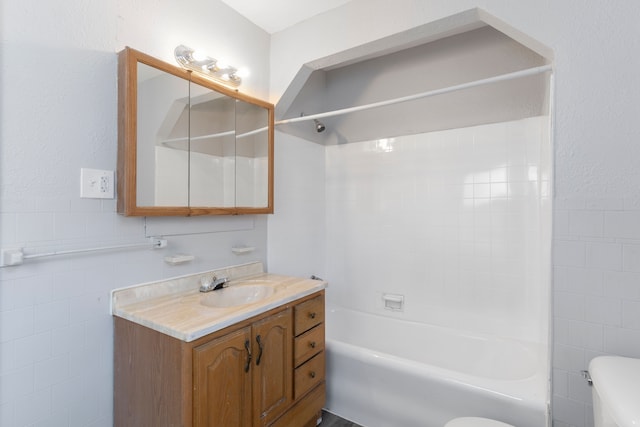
207,66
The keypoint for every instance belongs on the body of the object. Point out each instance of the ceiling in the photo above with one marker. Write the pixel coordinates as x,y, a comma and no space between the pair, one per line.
276,15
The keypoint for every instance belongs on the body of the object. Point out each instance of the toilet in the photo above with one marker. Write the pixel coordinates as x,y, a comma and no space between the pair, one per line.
616,391
475,422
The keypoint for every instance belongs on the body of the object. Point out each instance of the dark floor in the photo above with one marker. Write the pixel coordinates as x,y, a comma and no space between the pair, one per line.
330,420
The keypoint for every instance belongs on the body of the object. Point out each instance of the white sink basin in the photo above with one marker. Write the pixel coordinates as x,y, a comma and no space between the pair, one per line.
237,295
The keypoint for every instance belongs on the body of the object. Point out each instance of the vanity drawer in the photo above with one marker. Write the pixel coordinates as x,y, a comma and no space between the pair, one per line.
308,375
309,314
308,344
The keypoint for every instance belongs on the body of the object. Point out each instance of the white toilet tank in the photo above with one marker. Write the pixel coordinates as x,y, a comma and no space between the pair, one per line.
616,391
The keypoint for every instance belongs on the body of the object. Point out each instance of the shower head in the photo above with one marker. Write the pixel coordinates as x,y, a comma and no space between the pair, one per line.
319,126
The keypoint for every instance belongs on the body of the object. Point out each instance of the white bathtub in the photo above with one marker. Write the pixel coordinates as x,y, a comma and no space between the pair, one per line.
384,372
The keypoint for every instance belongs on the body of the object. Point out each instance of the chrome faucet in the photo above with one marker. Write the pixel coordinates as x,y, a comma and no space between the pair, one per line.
212,283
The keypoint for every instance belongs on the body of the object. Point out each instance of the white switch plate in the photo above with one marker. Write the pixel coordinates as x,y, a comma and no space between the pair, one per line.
96,184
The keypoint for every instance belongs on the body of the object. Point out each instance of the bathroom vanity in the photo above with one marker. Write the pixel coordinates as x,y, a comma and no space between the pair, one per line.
183,358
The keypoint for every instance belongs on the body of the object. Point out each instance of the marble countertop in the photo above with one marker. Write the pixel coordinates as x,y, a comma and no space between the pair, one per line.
174,307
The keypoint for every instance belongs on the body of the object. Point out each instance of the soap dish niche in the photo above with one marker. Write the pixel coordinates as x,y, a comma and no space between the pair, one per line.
177,259
393,302
239,250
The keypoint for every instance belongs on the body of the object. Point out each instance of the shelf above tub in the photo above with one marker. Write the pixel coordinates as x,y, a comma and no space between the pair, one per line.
463,48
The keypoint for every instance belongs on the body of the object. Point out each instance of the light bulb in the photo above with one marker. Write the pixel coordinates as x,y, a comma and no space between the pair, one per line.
243,72
198,55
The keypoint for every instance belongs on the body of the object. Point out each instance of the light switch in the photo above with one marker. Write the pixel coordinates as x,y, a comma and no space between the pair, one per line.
96,184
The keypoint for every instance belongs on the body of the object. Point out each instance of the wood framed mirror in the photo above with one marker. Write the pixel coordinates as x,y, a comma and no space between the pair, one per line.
189,146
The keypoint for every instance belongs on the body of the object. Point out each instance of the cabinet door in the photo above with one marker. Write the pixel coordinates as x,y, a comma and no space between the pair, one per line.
188,146
222,381
273,368
212,148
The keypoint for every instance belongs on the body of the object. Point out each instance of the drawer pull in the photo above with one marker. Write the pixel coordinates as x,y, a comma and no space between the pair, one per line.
312,315
312,374
312,344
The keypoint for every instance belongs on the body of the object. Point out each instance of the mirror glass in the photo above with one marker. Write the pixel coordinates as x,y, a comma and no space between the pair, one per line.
212,148
252,153
162,155
188,146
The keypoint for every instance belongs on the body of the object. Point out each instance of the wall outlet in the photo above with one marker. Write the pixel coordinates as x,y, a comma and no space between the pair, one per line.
96,184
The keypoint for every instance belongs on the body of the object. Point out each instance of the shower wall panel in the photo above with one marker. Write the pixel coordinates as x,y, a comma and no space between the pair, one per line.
456,221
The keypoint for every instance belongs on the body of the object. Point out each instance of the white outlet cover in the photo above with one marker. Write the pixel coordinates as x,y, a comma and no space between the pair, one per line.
97,184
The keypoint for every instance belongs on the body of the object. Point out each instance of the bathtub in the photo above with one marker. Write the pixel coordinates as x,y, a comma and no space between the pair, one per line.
385,372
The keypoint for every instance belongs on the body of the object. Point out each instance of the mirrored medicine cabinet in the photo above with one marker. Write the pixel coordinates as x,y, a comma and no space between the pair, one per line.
189,146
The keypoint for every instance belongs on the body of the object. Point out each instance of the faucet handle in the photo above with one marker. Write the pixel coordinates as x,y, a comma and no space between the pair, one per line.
206,282
220,283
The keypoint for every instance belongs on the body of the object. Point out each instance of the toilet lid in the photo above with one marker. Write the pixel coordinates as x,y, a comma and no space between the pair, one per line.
617,382
475,422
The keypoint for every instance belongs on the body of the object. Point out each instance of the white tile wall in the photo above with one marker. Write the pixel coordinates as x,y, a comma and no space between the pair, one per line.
596,295
453,220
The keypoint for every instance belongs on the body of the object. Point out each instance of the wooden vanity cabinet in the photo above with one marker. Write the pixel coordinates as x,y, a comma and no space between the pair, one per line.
309,364
248,368
264,371
221,387
309,345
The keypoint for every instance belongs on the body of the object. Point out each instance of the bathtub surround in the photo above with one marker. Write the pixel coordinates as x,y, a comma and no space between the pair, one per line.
455,214
462,221
55,330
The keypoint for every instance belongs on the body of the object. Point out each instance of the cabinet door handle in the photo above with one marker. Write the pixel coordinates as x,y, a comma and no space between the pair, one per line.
312,315
312,344
260,352
247,345
312,374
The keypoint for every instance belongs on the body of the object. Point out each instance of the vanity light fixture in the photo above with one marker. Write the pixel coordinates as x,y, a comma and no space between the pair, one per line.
208,66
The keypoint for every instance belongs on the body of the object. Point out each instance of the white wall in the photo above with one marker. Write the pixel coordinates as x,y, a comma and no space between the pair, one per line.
58,86
597,199
297,230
